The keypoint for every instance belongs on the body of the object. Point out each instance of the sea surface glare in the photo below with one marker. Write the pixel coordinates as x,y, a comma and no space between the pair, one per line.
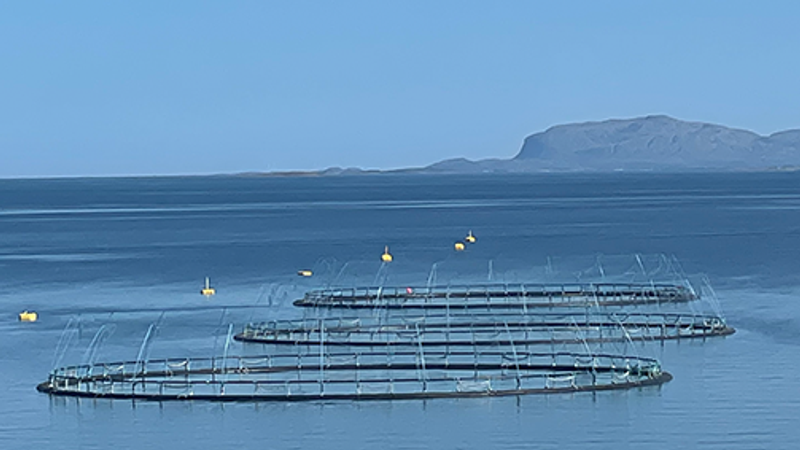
128,253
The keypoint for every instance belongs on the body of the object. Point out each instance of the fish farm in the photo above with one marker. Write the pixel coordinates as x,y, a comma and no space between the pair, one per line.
355,376
486,330
495,296
408,342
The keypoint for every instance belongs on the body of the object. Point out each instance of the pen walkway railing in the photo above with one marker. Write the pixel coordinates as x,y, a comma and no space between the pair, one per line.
356,375
498,296
435,330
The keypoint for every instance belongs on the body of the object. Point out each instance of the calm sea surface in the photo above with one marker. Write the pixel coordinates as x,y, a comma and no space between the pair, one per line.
127,253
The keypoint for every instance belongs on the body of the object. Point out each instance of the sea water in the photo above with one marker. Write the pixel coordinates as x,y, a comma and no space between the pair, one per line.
128,253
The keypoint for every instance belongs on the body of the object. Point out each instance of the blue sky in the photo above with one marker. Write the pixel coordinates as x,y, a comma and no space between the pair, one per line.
116,88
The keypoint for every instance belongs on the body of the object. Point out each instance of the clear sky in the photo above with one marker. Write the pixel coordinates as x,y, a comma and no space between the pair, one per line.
170,87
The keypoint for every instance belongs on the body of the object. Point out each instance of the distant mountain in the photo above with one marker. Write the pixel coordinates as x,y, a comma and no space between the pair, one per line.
652,143
657,143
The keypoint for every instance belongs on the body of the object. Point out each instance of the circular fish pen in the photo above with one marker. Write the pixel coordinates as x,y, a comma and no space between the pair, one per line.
494,296
438,330
330,375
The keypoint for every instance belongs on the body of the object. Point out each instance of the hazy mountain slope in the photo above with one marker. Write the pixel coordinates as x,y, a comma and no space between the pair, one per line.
645,143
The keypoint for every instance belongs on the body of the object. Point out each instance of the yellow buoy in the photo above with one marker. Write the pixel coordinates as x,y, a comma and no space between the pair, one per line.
208,290
386,256
470,238
305,273
28,316
459,246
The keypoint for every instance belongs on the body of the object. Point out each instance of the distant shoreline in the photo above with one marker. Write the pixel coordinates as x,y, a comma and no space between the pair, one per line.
650,144
423,171
401,172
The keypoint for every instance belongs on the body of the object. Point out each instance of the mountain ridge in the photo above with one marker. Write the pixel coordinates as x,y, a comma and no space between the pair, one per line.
649,143
653,143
